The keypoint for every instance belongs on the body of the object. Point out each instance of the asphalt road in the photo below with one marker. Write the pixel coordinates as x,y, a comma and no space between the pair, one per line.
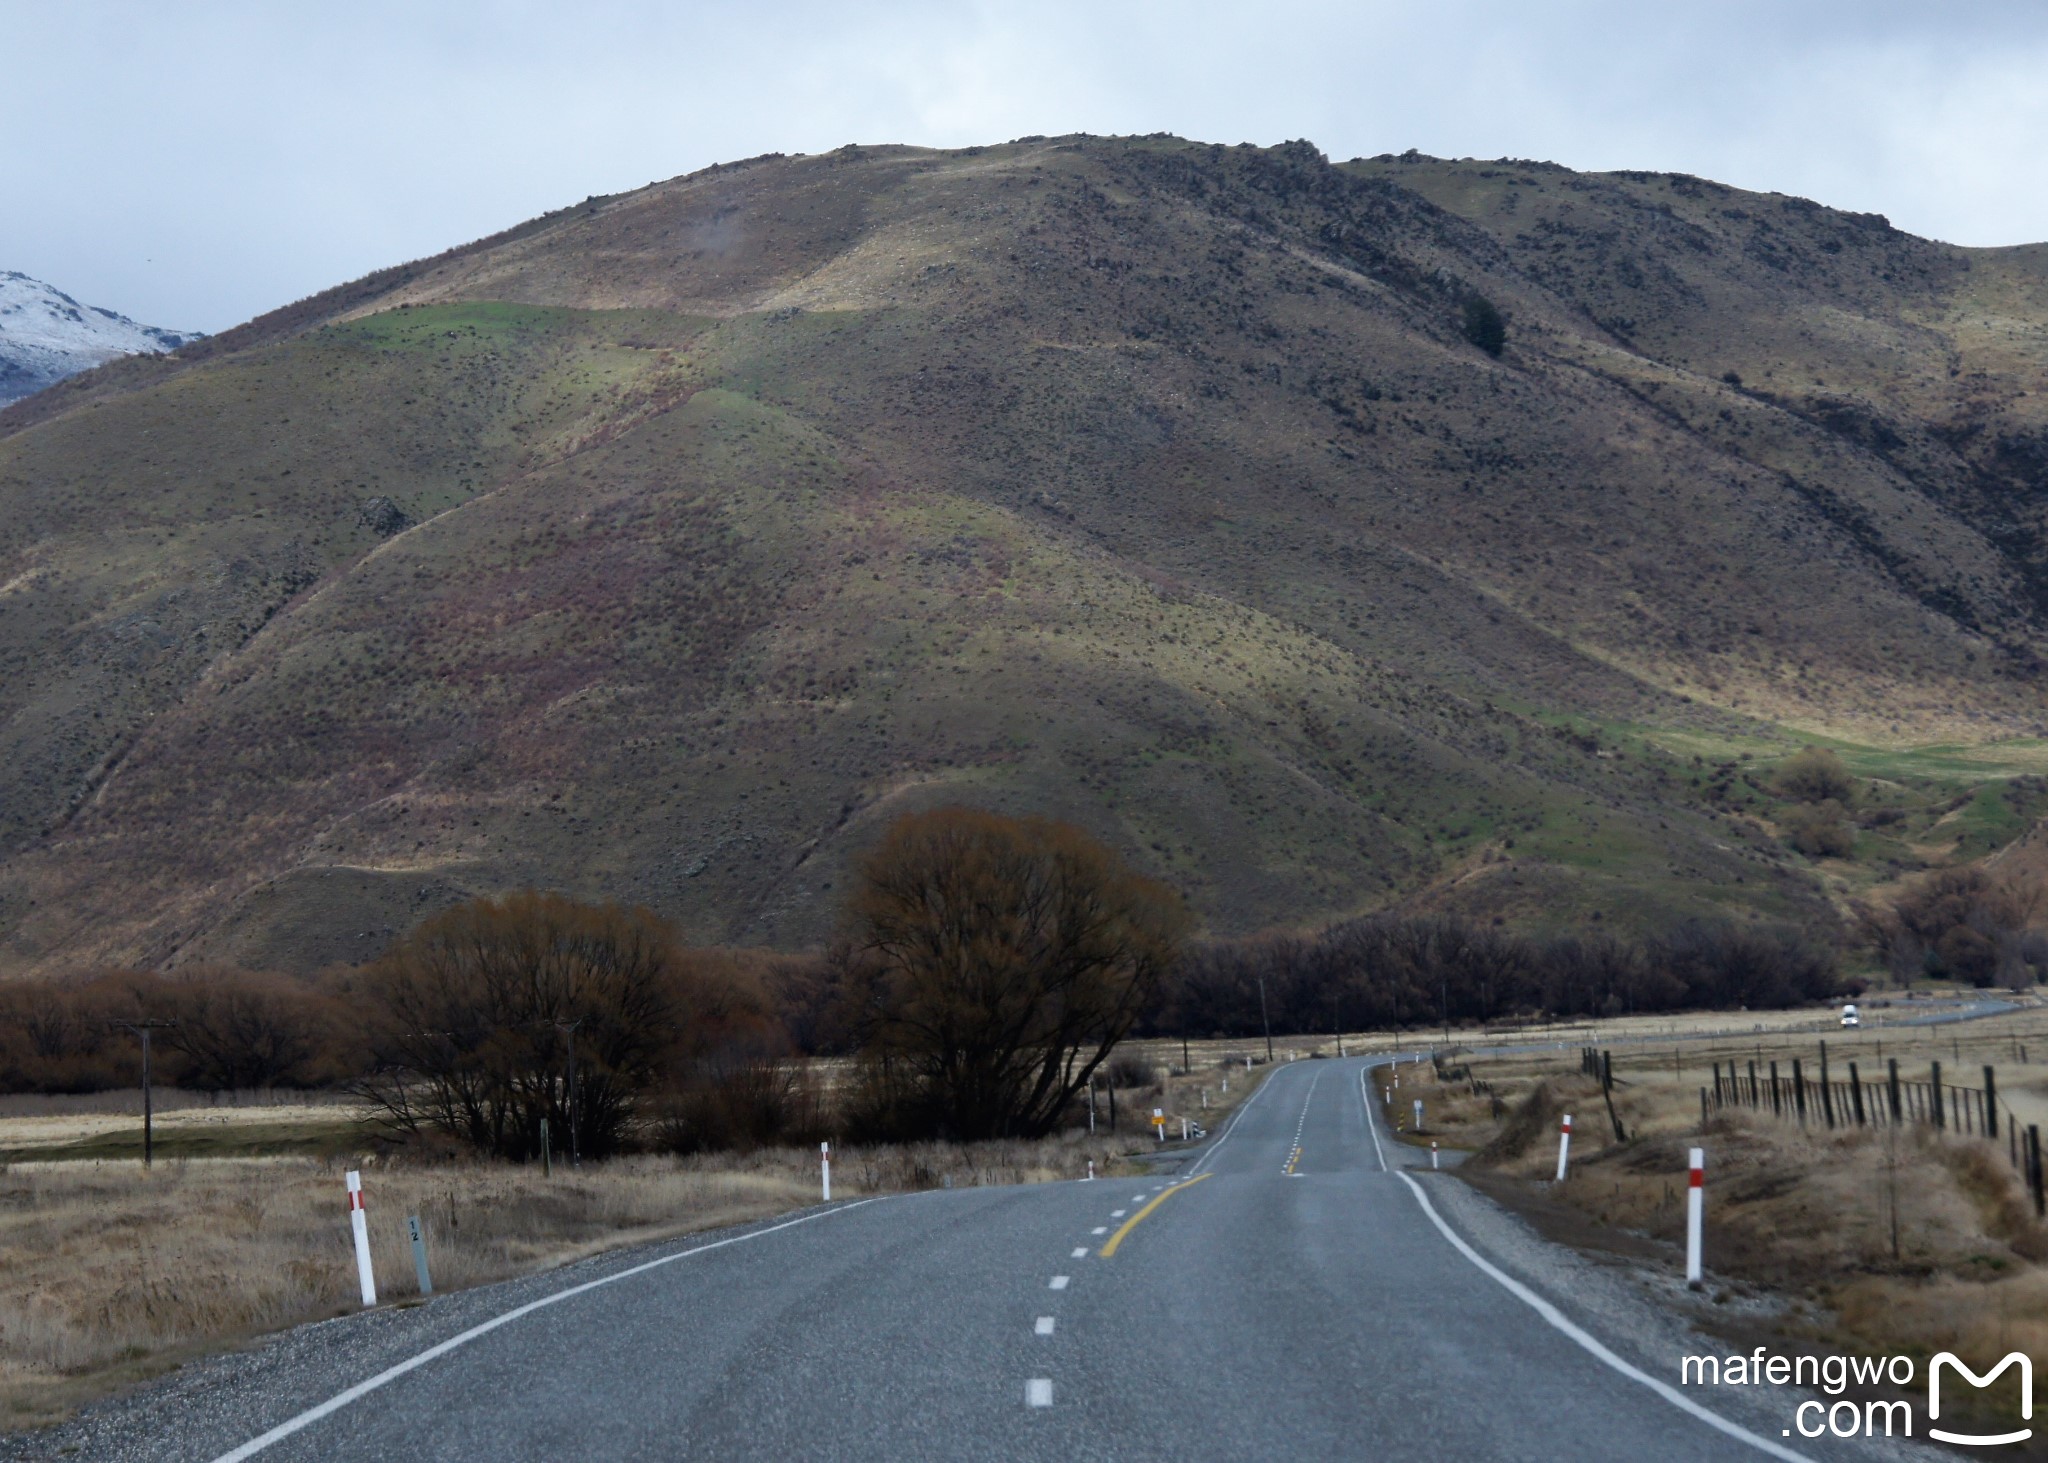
1294,1299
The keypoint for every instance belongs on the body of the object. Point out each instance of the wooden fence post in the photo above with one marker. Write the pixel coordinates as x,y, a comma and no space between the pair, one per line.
1799,1090
1897,1116
1827,1090
1856,1093
1940,1118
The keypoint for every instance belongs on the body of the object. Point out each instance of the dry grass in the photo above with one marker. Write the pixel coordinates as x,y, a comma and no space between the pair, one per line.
1880,1241
114,1273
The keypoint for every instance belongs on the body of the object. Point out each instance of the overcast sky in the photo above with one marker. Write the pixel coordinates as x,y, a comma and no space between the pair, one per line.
193,164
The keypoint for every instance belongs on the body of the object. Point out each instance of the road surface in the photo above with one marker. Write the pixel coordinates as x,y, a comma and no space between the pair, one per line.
1292,1291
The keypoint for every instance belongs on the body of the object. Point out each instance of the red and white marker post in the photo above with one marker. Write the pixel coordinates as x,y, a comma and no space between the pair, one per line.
1564,1146
1695,1216
825,1168
359,1222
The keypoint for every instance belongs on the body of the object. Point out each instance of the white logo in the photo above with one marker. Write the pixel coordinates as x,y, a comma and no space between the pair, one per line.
2026,1366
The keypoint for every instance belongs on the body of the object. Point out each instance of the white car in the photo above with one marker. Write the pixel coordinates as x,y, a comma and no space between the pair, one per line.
1850,1018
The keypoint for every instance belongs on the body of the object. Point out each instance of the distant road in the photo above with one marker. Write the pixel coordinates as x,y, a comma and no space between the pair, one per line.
1288,1294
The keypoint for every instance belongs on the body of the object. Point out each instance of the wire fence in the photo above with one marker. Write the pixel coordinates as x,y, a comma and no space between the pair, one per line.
1885,1100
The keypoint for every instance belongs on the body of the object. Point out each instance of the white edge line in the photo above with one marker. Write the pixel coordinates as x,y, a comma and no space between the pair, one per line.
342,1399
1585,1339
1371,1124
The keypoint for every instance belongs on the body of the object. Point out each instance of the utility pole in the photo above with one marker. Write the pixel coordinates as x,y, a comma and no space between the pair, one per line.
1266,1021
142,1029
569,1029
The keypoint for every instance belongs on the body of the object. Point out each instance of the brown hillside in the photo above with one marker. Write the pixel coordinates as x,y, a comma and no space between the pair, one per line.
664,547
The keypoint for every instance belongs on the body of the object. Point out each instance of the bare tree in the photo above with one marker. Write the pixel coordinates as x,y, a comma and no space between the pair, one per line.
238,1029
480,1011
991,963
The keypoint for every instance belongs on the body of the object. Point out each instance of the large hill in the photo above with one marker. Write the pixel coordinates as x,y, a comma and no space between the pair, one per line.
664,547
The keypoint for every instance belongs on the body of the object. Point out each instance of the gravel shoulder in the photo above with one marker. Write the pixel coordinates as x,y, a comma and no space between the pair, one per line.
1645,1313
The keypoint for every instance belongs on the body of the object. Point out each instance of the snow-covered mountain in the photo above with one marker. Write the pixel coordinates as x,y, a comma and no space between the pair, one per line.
45,335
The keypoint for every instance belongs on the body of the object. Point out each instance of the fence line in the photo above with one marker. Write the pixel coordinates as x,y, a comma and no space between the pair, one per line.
1890,1101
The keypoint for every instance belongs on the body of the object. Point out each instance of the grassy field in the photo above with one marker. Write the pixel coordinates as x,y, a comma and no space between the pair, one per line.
110,1127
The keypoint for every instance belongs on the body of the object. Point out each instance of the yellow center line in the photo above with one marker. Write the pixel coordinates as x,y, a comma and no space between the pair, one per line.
1130,1224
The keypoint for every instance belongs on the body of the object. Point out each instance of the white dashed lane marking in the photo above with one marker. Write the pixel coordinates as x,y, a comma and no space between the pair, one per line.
1038,1392
1044,1326
1102,1228
1080,1252
1116,1213
1059,1282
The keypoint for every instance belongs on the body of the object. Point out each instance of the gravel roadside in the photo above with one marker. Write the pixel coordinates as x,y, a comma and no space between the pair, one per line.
1647,1316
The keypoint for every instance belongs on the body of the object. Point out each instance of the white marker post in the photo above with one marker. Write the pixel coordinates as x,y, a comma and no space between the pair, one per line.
359,1222
1432,1153
1159,1123
825,1168
1091,1168
1695,1217
1418,1114
1564,1146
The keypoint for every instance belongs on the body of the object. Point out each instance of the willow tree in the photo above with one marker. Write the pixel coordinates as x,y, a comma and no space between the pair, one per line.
992,963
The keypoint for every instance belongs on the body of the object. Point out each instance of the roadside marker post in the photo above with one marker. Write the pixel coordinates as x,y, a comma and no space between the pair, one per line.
358,1221
419,1253
1432,1153
1159,1124
1695,1205
1564,1146
1091,1169
825,1168
1418,1114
